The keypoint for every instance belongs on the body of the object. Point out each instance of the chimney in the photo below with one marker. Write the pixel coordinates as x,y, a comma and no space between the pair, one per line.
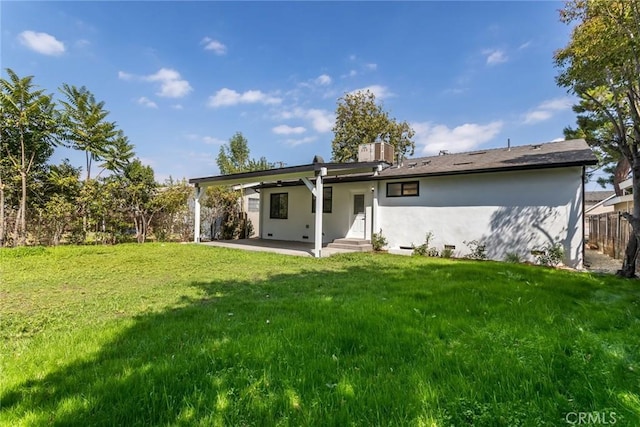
376,152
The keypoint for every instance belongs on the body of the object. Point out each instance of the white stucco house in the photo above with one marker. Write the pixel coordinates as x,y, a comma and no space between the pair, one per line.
512,200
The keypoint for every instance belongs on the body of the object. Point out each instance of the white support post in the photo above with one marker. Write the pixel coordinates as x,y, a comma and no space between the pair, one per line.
319,194
196,214
374,208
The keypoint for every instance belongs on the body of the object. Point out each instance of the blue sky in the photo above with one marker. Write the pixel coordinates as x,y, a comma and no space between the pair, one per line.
180,78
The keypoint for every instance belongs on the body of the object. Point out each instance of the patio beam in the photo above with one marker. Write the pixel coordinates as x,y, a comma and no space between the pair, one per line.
309,185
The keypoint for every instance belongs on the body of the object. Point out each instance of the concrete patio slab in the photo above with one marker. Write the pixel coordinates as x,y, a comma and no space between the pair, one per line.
275,246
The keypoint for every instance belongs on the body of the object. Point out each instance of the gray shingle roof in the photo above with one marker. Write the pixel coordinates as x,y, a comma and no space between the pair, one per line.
574,152
597,196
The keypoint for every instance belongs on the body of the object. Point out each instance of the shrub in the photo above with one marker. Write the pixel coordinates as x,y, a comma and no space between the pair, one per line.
447,252
378,241
513,257
424,249
550,255
478,250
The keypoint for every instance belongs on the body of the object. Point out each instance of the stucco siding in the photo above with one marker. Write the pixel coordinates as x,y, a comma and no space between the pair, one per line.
507,211
301,221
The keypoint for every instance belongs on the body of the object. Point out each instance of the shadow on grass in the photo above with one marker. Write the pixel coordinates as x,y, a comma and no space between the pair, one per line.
426,342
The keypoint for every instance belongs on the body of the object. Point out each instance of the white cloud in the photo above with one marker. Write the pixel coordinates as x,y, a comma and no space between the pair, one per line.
537,116
43,43
288,130
524,45
321,120
546,110
214,45
351,73
125,76
495,56
371,66
294,142
228,97
379,91
146,102
468,136
556,104
177,107
171,83
323,80
210,140
558,139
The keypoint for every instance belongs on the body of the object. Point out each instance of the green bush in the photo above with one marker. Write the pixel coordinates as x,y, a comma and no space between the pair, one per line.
447,253
424,249
378,241
550,255
513,257
478,250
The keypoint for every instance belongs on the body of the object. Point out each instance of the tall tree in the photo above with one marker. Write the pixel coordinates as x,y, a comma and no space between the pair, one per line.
172,202
118,154
28,135
60,194
234,157
138,191
361,120
85,127
601,63
596,129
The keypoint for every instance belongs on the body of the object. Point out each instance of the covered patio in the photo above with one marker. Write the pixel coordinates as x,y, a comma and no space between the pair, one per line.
311,175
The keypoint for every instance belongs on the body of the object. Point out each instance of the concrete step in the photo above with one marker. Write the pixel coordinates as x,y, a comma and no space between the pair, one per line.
354,248
355,245
356,242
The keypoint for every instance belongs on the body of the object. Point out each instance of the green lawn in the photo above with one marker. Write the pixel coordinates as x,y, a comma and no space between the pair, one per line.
192,335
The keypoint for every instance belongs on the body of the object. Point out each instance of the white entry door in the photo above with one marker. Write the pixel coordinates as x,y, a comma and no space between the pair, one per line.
357,229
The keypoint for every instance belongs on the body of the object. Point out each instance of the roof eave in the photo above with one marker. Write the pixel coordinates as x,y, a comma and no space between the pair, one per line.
291,173
488,170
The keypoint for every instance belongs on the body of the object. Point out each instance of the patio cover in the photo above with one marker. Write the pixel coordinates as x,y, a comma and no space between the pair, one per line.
304,173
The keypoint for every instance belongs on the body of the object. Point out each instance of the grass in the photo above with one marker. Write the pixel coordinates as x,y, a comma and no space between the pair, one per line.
192,335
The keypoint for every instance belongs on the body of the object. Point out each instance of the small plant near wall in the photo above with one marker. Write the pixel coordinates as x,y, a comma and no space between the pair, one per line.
550,254
378,241
448,251
424,249
478,250
513,257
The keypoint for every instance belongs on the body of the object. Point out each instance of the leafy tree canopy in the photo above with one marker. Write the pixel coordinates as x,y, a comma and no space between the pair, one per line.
600,65
234,157
361,120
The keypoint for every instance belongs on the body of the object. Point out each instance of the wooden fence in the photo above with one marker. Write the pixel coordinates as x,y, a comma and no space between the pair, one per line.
610,232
